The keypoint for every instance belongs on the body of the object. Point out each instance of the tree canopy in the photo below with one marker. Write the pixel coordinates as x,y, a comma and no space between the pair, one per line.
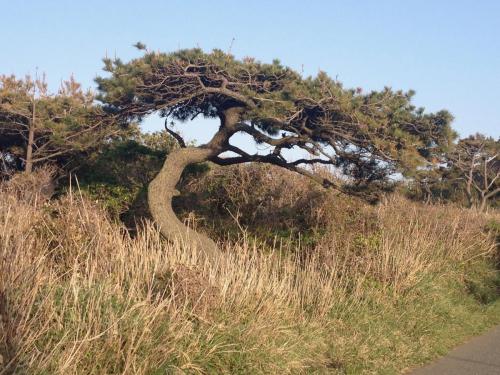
367,135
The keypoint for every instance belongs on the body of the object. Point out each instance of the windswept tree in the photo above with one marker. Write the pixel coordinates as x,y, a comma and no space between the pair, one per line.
368,136
37,127
476,160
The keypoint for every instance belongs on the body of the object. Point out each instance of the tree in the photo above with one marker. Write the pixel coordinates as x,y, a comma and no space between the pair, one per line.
367,136
477,161
37,127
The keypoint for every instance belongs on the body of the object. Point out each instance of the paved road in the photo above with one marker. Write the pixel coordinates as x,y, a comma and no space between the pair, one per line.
479,356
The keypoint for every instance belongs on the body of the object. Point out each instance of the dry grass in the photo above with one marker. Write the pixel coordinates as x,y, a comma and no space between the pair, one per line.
413,241
78,295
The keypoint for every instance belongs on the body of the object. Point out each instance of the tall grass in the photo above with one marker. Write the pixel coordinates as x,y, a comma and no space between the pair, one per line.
79,295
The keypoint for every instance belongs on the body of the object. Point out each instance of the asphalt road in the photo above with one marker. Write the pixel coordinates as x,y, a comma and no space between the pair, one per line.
479,356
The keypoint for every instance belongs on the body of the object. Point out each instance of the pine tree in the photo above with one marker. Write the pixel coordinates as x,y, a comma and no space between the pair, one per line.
37,127
476,159
368,136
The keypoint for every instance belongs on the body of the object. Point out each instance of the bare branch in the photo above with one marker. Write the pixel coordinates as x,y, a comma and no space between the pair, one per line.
177,137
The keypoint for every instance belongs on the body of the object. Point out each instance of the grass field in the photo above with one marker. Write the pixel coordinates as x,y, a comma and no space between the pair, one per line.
79,295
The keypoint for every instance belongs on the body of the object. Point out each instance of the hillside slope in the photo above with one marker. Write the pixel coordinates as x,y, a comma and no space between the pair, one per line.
79,295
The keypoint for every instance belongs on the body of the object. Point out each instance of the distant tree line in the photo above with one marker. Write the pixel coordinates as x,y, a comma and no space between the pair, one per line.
468,174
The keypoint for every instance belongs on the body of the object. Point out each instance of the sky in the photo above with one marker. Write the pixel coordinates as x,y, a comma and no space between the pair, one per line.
446,50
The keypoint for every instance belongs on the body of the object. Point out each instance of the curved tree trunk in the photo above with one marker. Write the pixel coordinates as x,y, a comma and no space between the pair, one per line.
163,188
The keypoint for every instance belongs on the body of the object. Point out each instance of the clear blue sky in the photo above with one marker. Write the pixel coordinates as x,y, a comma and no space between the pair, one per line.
447,50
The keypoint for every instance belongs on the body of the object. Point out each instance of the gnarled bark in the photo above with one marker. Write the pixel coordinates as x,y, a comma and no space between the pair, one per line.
163,188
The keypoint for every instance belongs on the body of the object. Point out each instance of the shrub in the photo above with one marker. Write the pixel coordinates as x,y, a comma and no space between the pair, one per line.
269,203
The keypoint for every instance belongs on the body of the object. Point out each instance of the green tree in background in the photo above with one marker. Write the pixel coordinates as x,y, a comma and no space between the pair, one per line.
37,127
476,160
467,174
368,136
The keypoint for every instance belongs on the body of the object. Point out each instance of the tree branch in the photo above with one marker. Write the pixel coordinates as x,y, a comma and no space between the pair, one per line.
275,160
177,137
